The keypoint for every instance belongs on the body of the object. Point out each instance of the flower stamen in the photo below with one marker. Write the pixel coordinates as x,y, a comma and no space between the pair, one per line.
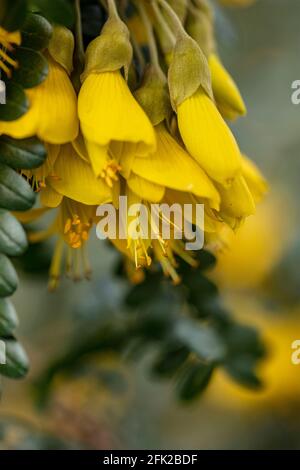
110,172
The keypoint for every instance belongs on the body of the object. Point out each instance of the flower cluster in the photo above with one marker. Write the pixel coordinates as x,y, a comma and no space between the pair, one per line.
147,122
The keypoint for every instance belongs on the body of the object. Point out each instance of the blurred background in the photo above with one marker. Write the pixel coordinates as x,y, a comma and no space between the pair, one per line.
115,404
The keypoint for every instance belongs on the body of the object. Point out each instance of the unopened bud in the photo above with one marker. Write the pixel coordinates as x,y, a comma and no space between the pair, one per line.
154,97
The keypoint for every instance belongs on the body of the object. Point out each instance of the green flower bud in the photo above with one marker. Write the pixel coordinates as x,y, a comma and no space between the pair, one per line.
154,97
111,50
61,47
188,71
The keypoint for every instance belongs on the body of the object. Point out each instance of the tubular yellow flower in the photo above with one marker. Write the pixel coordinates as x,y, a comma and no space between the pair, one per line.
171,166
226,92
256,182
208,138
108,114
212,222
6,41
74,178
53,110
237,202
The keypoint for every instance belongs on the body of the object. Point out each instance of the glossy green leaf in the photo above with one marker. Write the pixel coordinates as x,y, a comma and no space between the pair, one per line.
36,32
242,369
32,69
15,193
37,258
12,14
194,381
56,11
8,317
17,363
13,241
201,339
23,153
170,360
8,277
16,103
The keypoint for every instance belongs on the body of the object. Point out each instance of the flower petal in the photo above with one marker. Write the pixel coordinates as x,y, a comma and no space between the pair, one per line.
237,201
108,111
254,179
98,156
208,138
75,179
49,197
225,90
171,166
145,189
52,115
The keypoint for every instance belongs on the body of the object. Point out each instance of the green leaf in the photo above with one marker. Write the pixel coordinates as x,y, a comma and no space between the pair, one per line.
16,103
32,70
200,339
143,293
241,339
36,32
13,241
12,14
17,364
200,289
8,317
56,11
194,381
15,192
22,153
170,360
8,277
242,369
37,258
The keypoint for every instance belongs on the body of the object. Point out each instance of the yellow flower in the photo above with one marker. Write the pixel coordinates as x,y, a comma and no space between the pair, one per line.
237,202
110,117
73,178
226,92
208,139
75,221
256,182
171,166
6,41
72,225
53,110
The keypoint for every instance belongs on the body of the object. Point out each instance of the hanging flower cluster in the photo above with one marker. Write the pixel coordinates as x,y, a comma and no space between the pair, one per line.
148,121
